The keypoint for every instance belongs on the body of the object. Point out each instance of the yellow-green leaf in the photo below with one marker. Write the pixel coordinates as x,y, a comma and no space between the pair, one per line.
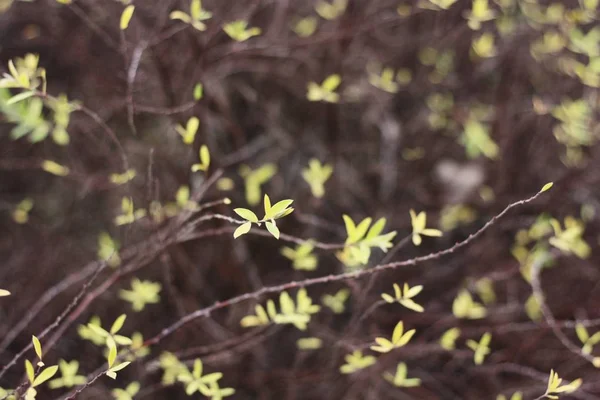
272,228
30,371
37,346
246,214
118,324
547,186
242,230
126,16
55,168
45,375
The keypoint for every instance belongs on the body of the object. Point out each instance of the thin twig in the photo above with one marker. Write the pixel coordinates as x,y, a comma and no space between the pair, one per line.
205,312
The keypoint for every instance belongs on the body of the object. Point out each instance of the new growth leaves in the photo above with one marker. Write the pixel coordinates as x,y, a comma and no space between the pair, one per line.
195,18
44,374
324,91
111,339
272,213
399,339
297,314
554,388
419,222
361,238
404,297
302,257
316,175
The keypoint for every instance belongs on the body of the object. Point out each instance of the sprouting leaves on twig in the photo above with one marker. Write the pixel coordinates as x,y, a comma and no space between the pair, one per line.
108,249
171,367
448,339
129,213
569,239
206,384
554,388
121,179
302,257
477,141
24,73
464,306
399,339
128,393
27,115
111,339
239,30
485,290
91,334
316,175
141,293
481,348
331,10
588,341
483,45
297,314
69,376
404,296
336,301
34,381
272,213
204,156
361,238
188,133
326,90
195,18
254,179
384,81
400,379
479,13
356,361
418,222
21,212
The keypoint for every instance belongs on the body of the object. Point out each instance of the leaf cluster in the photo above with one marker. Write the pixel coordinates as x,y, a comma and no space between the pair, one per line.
297,314
361,238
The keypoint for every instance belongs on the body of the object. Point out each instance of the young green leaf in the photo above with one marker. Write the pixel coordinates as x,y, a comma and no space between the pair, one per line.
126,16
242,230
198,91
248,215
118,324
46,374
55,168
29,371
112,372
37,346
272,228
547,186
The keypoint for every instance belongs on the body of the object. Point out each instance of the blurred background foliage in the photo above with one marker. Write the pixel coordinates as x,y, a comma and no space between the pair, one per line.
456,108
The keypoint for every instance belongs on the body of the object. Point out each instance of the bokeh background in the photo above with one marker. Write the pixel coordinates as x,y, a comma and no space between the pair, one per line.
456,108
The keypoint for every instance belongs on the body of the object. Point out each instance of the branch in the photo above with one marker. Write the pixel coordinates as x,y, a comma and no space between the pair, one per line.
205,312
